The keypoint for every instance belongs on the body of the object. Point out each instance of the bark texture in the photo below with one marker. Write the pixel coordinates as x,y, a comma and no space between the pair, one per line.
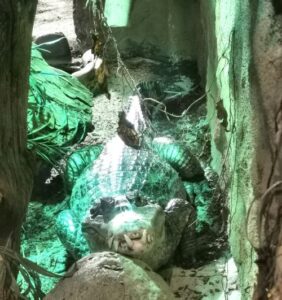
267,54
82,23
16,20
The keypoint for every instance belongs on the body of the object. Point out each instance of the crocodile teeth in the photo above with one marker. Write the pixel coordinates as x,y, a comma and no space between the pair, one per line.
128,241
149,238
144,236
110,242
123,247
135,235
116,244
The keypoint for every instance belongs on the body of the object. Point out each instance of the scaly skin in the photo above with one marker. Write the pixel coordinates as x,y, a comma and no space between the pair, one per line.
130,201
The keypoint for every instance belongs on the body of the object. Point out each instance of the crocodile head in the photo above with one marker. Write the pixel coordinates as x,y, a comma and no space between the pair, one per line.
138,232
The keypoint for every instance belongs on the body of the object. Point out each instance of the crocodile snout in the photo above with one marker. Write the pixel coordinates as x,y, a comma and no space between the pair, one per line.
136,232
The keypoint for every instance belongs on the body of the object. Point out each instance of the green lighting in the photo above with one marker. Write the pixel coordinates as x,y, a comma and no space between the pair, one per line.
59,109
71,225
117,12
127,216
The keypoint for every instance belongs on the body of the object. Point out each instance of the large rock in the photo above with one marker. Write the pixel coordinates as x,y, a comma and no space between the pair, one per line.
55,49
108,275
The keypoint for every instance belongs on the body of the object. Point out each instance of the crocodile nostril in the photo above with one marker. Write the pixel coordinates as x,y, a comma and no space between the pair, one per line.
122,208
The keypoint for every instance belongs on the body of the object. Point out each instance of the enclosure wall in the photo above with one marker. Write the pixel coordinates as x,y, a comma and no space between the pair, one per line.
157,29
241,61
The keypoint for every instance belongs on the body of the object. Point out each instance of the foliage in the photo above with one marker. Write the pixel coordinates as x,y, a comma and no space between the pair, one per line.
59,109
29,271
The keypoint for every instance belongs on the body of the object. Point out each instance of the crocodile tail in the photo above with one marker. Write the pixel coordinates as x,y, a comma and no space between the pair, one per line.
179,157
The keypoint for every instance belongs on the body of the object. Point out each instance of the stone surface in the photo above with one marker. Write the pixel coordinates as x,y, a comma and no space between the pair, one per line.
107,275
234,115
157,29
214,281
241,62
55,49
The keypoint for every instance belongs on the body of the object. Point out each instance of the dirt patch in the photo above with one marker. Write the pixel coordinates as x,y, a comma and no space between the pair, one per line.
55,16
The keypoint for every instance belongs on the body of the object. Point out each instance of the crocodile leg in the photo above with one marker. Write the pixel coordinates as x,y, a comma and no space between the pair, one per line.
211,220
180,220
78,161
185,254
69,232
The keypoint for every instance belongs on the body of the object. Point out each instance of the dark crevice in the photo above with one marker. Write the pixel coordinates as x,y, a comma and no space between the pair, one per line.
277,5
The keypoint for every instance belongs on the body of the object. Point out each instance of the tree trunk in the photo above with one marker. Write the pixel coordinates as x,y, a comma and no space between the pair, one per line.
82,23
16,21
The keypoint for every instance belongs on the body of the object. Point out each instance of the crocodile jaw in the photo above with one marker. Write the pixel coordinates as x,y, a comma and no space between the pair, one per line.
132,243
136,233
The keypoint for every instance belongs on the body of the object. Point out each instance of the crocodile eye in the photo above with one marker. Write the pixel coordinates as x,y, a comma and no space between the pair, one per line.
132,195
94,211
122,208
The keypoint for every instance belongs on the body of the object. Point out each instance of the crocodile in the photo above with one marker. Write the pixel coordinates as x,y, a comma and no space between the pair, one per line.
131,200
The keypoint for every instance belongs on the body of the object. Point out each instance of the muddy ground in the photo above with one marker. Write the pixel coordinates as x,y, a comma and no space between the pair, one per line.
55,16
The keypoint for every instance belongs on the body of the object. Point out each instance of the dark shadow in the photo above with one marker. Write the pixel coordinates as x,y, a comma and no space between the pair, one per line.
277,5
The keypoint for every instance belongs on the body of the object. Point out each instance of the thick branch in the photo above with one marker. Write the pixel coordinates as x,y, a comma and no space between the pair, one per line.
16,21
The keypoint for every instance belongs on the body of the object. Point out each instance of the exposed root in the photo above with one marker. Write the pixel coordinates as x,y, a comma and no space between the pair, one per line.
30,272
270,250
